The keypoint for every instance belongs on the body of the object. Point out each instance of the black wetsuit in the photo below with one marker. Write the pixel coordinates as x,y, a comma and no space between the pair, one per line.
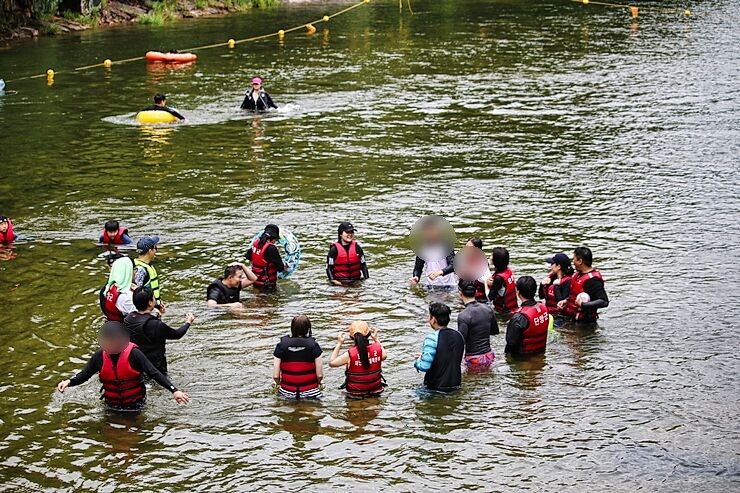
138,361
594,287
332,256
263,103
164,108
151,334
221,293
477,323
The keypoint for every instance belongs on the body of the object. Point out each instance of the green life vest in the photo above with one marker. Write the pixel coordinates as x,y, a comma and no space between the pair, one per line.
153,282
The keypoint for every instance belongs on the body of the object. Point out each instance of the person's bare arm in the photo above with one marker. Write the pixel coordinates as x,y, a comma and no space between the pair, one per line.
276,369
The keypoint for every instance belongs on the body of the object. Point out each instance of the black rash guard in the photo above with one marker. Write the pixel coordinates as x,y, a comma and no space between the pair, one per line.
137,360
151,334
477,323
332,256
445,375
272,255
264,101
164,108
594,287
221,293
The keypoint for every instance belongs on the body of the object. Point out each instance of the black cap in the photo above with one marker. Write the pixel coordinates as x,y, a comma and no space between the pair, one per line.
559,258
3,218
272,231
467,288
345,226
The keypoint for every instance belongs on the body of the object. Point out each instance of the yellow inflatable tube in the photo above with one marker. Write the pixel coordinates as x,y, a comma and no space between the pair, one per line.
155,116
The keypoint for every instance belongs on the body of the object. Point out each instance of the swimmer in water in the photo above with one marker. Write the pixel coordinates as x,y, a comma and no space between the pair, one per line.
257,98
6,230
115,234
160,104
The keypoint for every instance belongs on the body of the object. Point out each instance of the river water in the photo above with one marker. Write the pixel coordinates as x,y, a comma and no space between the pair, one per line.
536,125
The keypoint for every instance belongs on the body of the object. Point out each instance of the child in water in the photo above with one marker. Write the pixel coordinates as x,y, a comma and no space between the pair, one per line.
7,235
115,234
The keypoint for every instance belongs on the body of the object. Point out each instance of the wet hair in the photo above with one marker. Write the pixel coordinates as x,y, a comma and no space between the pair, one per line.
142,297
159,98
527,287
361,341
441,313
467,288
584,254
231,270
112,226
477,242
300,326
500,258
112,257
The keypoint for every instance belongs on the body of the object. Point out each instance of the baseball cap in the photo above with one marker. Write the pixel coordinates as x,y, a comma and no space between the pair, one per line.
345,226
273,231
559,258
359,326
146,243
257,80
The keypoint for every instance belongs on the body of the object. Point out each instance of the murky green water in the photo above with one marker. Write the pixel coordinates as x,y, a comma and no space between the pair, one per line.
536,125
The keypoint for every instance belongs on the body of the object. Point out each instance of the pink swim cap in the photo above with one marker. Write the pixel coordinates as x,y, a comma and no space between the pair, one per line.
257,80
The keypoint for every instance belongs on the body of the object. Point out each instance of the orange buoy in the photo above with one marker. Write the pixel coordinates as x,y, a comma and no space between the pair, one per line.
635,11
158,56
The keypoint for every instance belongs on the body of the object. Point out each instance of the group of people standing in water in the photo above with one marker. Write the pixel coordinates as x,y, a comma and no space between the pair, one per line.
133,338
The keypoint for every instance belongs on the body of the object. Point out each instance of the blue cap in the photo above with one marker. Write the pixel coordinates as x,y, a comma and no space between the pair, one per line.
559,258
146,243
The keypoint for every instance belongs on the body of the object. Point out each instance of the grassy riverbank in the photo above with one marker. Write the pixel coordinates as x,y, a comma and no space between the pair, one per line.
26,24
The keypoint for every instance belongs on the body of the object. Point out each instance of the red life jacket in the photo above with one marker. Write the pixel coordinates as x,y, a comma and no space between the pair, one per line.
298,375
535,335
550,302
506,303
265,271
117,239
361,380
108,304
9,235
576,288
347,266
122,385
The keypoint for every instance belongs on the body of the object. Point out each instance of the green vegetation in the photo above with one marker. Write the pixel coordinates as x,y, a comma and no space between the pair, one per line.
39,13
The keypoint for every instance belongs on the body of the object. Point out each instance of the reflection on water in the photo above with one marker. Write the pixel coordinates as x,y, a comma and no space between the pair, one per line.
533,125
